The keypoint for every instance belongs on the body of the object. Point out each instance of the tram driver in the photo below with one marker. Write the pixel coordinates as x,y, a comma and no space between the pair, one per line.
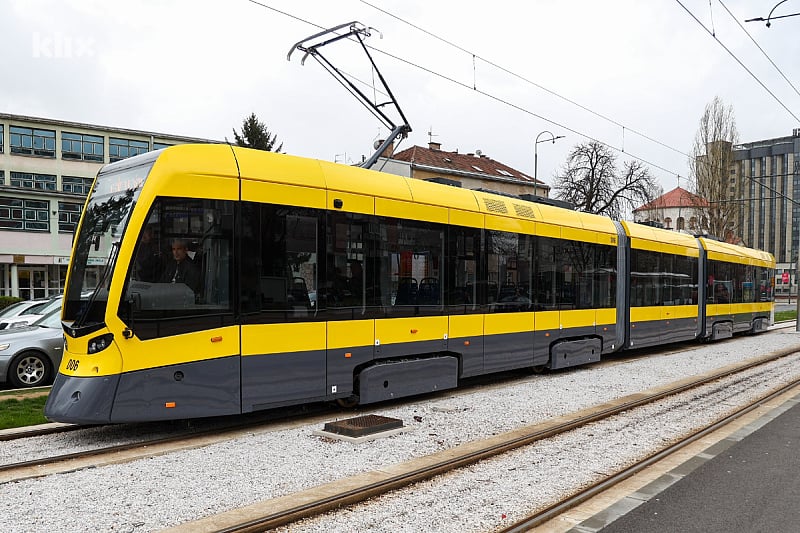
181,268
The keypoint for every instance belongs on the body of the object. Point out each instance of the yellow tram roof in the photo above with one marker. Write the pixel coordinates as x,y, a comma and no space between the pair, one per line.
723,251
661,240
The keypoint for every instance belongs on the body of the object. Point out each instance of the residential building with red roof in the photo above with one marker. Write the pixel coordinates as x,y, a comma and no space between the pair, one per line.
469,171
678,210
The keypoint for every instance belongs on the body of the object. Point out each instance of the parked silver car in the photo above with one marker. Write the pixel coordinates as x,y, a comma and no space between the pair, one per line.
30,355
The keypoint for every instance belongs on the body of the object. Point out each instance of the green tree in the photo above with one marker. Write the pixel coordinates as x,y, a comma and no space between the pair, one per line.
256,135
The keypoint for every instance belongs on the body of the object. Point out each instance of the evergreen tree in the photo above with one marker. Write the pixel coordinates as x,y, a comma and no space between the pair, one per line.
256,135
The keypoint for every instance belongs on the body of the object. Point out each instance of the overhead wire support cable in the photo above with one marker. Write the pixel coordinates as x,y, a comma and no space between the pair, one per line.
759,47
738,60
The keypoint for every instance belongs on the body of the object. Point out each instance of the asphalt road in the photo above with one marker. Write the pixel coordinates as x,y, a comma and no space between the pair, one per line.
751,486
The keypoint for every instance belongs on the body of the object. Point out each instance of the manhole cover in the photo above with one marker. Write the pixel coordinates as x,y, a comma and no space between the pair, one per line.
363,425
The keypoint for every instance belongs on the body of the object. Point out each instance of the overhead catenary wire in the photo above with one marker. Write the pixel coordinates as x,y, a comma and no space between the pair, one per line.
519,107
510,104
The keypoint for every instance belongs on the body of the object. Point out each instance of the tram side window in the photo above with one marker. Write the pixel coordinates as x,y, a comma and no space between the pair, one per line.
765,277
720,282
410,274
683,280
548,278
280,250
604,274
464,246
509,273
351,289
645,278
181,267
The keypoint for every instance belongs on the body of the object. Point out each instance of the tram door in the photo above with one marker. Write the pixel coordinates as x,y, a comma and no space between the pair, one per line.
32,282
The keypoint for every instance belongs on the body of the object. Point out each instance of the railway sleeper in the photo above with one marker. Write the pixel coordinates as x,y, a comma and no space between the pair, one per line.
573,352
407,377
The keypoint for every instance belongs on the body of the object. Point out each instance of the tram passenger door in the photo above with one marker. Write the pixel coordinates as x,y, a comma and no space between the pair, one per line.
283,350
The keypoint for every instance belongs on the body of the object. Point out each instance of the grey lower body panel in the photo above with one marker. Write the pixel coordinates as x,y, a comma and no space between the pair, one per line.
78,400
507,351
187,390
654,332
282,379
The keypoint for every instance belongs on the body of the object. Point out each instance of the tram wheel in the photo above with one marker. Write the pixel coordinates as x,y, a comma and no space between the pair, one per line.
347,403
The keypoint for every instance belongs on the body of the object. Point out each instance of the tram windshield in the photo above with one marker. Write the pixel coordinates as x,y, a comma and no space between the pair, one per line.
96,245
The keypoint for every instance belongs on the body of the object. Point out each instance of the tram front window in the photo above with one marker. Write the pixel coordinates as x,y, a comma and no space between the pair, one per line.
97,243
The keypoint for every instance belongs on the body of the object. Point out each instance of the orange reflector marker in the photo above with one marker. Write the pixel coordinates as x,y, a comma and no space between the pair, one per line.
216,339
169,405
466,343
546,334
414,330
605,329
348,355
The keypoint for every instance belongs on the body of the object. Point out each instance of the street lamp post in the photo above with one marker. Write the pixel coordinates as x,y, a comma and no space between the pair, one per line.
536,155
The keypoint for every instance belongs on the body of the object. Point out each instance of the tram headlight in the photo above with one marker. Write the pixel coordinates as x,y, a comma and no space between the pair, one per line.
98,344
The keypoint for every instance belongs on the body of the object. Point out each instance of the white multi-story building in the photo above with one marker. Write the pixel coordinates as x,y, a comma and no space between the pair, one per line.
46,171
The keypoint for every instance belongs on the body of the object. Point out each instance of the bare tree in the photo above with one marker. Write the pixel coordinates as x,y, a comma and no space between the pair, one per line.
592,182
710,165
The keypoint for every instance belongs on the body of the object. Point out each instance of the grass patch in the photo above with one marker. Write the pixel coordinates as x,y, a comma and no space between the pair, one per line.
19,413
785,315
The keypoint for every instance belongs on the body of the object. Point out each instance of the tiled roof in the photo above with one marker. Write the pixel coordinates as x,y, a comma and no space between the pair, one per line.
677,197
456,163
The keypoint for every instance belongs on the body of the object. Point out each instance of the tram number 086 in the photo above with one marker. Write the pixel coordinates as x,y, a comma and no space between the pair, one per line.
72,365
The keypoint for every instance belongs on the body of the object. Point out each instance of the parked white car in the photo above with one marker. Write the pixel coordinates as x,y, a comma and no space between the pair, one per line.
23,313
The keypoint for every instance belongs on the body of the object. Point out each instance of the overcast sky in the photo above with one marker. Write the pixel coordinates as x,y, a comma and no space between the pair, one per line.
198,67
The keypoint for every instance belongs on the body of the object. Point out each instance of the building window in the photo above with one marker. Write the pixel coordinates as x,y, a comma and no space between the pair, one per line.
1,138
28,215
121,148
29,141
68,216
159,146
81,146
76,185
29,180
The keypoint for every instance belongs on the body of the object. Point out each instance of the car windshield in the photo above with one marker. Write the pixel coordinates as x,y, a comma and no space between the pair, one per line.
13,309
36,309
50,320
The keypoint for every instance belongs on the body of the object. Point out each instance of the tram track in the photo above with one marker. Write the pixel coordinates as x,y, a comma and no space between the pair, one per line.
543,516
313,502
